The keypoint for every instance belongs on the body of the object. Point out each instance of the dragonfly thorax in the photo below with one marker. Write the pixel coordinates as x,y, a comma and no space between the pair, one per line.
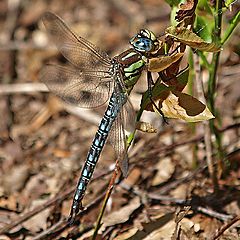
131,64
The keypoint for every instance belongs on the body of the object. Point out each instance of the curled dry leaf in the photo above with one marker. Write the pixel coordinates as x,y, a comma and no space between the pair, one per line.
145,127
183,106
189,38
187,9
160,90
160,63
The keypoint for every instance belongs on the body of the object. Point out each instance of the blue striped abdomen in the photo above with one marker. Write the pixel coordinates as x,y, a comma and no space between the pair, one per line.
94,152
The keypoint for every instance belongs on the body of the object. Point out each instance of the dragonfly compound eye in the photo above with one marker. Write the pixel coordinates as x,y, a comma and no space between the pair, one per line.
142,44
145,41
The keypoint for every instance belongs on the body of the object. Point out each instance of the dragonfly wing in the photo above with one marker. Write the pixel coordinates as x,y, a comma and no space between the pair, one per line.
86,89
77,50
118,136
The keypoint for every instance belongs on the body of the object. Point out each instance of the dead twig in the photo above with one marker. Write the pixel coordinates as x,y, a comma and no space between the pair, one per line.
224,228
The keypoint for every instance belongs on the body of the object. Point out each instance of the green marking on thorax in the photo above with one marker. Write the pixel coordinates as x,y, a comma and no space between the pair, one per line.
128,56
134,66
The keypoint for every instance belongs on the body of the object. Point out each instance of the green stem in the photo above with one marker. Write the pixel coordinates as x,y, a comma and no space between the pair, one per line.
212,84
215,59
233,24
204,59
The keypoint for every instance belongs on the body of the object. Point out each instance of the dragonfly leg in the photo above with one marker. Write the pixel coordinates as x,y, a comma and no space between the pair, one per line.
150,82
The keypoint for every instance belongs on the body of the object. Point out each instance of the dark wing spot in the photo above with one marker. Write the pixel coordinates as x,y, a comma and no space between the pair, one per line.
86,95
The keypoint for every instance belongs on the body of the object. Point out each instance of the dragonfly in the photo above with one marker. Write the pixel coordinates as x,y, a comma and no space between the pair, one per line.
90,80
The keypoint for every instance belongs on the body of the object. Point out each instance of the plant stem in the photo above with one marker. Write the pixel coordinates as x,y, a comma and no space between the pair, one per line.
233,24
107,196
204,59
212,85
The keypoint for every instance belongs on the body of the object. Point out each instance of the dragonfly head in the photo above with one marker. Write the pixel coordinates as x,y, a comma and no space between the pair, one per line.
145,41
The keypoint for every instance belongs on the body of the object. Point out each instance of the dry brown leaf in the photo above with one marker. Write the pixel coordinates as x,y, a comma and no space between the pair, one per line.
186,10
160,63
54,105
39,221
181,191
122,215
128,234
145,127
35,187
10,202
183,106
16,177
161,228
165,169
133,177
189,38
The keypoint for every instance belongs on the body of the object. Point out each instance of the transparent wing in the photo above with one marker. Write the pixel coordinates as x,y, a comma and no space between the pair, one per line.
117,137
86,89
79,51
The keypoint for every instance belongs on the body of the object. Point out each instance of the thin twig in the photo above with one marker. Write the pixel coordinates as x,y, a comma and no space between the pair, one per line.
224,228
166,200
22,88
107,196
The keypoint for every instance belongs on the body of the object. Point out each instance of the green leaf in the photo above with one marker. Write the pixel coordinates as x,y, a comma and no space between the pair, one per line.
204,8
204,27
173,13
